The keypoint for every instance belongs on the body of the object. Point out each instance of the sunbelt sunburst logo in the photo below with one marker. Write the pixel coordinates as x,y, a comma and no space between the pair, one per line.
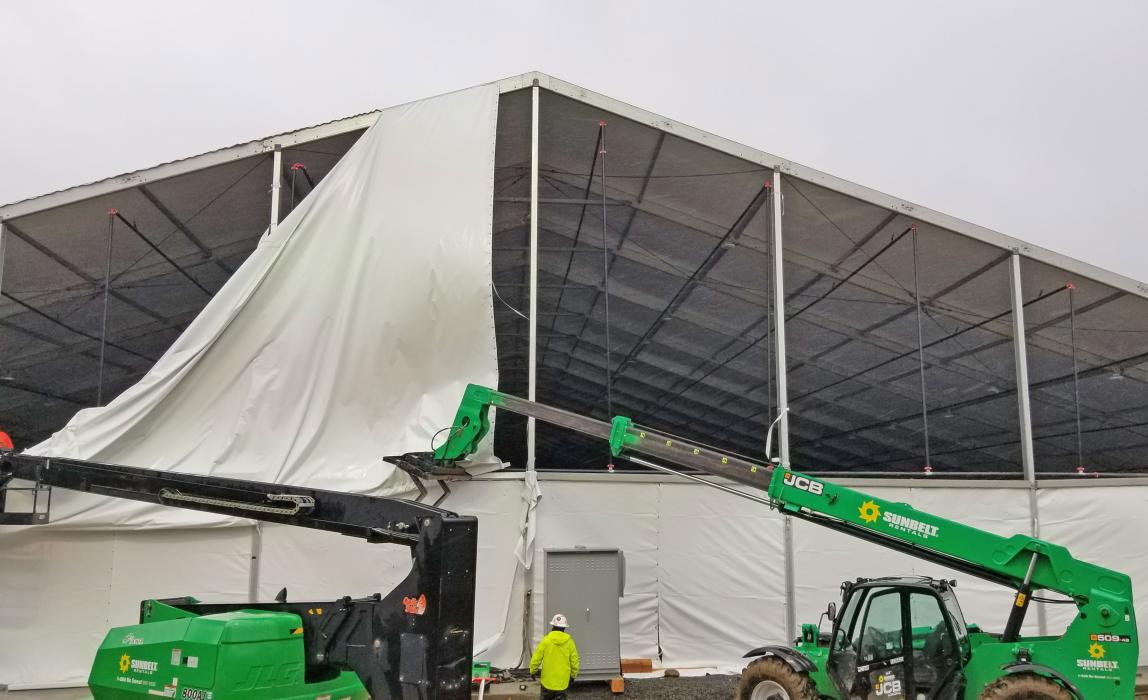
870,511
1096,660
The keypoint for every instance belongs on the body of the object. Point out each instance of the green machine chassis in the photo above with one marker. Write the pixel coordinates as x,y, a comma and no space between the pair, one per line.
1094,658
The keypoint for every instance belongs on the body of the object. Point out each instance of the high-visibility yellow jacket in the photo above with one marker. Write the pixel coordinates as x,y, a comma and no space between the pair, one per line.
557,656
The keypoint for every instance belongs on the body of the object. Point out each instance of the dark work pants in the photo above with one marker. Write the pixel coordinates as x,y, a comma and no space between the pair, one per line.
548,694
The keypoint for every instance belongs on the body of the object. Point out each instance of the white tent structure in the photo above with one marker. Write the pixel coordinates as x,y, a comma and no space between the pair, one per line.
236,314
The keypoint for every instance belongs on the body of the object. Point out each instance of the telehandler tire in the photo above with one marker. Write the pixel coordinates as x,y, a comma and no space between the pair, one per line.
770,678
1025,686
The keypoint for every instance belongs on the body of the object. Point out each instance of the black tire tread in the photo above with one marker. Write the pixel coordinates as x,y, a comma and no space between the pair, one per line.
1025,686
770,668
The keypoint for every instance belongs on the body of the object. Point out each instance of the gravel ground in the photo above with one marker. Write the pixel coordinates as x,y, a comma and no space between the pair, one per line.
697,688
700,688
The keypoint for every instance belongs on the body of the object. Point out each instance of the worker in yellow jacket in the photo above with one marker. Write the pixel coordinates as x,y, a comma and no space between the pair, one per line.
557,658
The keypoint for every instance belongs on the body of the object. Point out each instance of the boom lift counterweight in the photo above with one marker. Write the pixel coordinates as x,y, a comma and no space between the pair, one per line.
893,638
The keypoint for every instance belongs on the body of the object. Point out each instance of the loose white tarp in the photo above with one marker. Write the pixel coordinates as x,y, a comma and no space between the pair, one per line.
348,334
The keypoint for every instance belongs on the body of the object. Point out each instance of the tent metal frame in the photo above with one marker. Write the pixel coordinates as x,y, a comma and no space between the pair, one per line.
781,169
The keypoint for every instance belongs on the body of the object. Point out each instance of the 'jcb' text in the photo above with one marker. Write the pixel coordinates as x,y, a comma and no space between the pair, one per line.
804,483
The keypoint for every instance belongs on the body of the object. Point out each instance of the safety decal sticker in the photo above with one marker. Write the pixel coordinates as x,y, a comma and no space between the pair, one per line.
1113,638
415,606
887,685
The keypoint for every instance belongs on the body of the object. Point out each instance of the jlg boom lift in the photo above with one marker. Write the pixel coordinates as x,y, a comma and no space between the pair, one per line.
414,643
894,638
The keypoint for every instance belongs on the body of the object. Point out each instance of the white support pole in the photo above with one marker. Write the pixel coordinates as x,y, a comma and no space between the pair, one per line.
2,232
532,367
256,562
276,185
1024,410
782,398
779,323
1021,361
790,581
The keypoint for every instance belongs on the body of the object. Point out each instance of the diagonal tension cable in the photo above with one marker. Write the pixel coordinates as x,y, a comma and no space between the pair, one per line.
132,227
841,282
577,234
72,328
938,341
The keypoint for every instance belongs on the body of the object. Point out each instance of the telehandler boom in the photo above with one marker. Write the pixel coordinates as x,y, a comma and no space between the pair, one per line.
894,638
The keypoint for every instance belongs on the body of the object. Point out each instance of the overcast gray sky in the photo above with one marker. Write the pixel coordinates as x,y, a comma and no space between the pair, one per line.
1025,116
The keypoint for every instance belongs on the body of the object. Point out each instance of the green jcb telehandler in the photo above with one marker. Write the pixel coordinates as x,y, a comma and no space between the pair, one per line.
893,638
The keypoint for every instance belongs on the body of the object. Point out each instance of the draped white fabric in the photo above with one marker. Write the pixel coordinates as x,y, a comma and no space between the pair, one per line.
349,333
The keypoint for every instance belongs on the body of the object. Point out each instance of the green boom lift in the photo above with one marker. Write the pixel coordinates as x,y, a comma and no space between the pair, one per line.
893,638
412,643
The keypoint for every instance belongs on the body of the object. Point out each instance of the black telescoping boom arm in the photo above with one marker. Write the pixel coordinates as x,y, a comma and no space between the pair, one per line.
414,642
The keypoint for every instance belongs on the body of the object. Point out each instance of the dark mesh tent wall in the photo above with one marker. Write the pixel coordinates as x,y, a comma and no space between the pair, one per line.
688,270
1088,373
900,348
893,326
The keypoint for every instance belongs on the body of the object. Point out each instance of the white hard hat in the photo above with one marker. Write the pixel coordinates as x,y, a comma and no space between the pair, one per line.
559,620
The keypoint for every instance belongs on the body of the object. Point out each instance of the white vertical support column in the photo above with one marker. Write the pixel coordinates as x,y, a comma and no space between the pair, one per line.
2,233
1021,361
276,185
782,398
256,562
531,577
1024,410
790,582
532,366
779,323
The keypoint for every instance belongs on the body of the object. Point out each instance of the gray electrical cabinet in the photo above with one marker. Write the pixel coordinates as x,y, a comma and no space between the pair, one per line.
585,585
